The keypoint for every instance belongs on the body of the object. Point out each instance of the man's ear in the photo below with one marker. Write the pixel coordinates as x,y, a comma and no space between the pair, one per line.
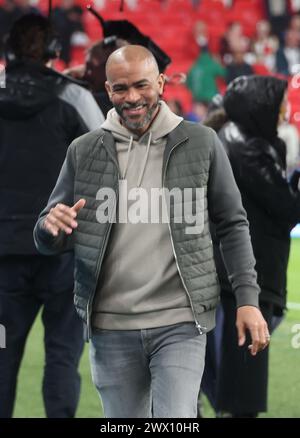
108,89
161,83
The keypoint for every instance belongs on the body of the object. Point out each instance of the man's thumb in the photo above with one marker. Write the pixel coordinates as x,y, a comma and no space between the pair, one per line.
79,205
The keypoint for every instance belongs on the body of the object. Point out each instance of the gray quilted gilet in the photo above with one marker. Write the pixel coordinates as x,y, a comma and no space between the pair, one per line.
186,163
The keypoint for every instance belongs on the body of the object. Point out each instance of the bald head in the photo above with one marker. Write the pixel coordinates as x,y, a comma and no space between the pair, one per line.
131,54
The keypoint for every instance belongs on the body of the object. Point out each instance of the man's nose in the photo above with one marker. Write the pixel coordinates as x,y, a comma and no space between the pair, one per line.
132,95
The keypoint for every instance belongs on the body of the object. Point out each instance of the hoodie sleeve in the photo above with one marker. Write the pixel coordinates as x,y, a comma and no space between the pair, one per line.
232,228
63,192
84,104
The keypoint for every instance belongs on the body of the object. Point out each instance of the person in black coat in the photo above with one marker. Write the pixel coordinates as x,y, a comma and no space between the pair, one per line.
254,106
41,112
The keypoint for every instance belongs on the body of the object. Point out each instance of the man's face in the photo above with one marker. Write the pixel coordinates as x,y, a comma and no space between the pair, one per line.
134,89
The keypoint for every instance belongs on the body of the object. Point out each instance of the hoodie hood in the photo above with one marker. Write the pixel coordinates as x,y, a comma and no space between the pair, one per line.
253,103
164,122
30,87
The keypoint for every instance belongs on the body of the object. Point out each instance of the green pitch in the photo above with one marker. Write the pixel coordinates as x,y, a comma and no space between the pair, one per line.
284,383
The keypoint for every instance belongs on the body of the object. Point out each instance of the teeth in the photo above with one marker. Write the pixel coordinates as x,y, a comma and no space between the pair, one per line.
136,108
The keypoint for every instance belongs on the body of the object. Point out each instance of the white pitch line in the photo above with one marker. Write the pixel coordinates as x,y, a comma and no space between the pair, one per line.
293,306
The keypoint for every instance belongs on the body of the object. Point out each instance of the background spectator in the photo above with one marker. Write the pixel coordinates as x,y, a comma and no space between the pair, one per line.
265,45
288,55
201,78
67,21
238,66
41,112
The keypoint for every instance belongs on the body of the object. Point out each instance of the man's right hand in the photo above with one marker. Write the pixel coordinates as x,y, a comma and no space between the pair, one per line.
62,218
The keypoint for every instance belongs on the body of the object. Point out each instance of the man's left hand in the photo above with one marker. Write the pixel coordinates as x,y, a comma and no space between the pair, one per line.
250,317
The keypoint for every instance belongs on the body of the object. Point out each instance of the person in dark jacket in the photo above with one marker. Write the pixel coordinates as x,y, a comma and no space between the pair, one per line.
146,286
41,111
254,106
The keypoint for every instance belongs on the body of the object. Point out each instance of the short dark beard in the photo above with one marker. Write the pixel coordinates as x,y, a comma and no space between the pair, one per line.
131,125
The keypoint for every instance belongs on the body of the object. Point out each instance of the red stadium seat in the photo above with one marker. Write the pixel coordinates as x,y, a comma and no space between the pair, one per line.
170,24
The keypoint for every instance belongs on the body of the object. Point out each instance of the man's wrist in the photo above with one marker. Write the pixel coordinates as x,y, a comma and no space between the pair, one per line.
247,296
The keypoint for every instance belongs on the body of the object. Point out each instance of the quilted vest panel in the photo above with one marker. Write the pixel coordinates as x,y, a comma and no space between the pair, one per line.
186,165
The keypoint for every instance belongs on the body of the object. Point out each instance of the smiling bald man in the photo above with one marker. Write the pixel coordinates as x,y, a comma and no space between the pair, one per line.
147,288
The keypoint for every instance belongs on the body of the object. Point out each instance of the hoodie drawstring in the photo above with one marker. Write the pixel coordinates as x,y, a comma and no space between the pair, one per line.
144,162
127,158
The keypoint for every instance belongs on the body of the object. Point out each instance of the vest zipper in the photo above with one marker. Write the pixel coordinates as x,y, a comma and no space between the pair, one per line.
99,261
200,328
91,298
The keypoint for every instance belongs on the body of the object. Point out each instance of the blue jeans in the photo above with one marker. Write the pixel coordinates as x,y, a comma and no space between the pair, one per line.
148,373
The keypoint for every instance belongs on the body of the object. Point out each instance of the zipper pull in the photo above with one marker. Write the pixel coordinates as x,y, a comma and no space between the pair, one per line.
201,329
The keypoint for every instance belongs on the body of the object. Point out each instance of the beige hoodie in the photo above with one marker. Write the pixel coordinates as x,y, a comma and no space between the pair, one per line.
139,286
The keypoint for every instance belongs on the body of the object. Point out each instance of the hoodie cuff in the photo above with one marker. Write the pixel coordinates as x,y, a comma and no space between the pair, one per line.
45,242
247,296
43,234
